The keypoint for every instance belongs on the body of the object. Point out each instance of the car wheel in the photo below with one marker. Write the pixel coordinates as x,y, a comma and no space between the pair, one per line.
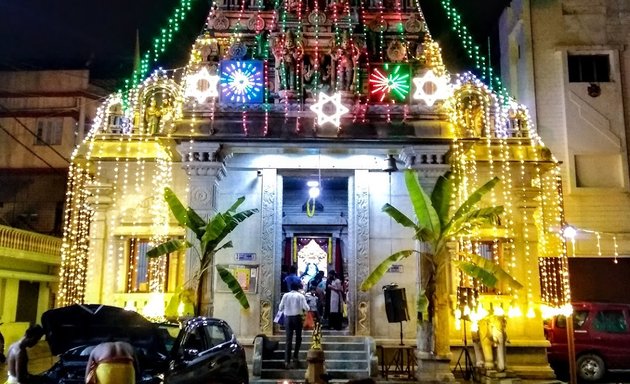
590,367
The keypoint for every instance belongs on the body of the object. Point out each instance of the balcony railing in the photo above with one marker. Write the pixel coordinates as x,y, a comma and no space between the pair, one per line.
26,241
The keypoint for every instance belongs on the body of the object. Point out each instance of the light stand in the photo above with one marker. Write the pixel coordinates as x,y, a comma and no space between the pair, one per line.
467,369
466,297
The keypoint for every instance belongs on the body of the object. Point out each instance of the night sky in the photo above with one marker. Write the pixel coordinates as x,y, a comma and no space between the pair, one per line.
54,34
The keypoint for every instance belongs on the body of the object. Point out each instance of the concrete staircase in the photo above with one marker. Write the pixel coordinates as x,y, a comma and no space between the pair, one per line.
347,357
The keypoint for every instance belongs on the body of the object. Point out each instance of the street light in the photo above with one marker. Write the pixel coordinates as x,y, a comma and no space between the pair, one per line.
569,232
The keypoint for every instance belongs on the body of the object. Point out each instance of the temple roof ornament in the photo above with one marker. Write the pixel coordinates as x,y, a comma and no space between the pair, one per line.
202,85
430,88
320,109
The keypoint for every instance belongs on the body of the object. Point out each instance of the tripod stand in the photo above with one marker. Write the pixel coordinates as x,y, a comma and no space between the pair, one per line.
467,369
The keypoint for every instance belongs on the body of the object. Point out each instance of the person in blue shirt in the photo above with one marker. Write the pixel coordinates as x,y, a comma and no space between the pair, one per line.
293,277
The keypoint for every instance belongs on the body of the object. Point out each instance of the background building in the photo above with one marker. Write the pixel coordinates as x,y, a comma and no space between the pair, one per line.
43,116
568,62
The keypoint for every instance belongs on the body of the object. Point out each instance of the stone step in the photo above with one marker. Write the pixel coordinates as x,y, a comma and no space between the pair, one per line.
328,354
346,358
298,374
328,346
331,365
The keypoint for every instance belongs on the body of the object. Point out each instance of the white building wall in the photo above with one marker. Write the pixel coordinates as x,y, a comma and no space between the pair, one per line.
587,134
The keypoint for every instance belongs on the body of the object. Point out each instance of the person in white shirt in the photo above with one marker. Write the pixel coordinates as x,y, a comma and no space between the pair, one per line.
294,305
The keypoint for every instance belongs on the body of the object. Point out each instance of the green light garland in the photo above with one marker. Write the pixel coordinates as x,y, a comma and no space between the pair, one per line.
473,51
159,45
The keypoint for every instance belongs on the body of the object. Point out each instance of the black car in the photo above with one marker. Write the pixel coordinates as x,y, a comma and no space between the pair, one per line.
204,351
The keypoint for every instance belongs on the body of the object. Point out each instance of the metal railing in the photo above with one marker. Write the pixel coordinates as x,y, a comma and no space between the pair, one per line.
22,240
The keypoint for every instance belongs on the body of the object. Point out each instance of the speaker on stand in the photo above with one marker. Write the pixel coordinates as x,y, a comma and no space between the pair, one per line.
396,306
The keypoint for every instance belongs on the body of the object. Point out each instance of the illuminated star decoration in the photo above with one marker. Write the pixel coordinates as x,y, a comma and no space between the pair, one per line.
389,82
322,116
437,87
201,85
241,81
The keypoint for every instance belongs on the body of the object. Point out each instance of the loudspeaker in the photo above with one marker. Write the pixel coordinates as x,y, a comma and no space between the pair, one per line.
395,304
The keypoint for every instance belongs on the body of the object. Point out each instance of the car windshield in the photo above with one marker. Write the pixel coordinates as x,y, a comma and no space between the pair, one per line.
168,333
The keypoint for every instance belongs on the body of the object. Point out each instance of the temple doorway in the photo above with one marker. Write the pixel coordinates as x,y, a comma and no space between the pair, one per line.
315,235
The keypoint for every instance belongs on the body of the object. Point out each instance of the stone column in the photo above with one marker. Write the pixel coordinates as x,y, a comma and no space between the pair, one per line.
99,286
271,237
359,239
205,169
430,163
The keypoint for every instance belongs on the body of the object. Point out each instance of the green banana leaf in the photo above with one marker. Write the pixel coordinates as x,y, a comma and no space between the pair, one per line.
187,218
469,204
424,210
441,197
209,234
233,285
380,270
486,271
473,219
220,230
236,204
400,217
168,247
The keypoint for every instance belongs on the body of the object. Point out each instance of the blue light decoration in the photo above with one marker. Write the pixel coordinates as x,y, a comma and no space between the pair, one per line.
241,81
389,82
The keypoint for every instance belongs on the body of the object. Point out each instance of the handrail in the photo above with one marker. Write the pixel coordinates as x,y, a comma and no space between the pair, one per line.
29,241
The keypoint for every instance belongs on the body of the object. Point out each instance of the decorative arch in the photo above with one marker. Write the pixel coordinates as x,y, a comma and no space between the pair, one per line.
159,105
474,109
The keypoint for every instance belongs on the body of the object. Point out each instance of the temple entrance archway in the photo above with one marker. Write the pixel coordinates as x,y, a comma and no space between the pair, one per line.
315,230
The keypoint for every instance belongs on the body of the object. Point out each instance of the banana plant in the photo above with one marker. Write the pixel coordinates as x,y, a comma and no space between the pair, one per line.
435,226
209,233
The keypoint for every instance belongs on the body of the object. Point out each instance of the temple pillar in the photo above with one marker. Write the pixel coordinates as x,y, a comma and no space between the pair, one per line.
205,168
271,241
430,163
100,276
359,239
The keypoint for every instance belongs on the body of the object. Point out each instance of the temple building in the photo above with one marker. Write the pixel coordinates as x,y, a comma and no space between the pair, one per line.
279,99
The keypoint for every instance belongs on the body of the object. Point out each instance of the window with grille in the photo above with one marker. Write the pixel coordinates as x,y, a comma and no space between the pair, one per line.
142,271
494,251
49,132
589,68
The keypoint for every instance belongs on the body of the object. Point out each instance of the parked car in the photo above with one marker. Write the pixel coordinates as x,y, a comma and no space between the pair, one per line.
205,350
601,336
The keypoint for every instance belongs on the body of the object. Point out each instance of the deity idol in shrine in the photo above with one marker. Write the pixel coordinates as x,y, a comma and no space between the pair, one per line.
346,57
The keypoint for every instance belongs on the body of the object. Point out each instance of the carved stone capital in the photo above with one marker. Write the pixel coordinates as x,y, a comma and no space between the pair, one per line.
100,195
214,170
420,156
202,159
199,152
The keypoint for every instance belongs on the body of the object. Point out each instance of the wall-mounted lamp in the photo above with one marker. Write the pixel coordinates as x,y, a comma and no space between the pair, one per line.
594,90
569,232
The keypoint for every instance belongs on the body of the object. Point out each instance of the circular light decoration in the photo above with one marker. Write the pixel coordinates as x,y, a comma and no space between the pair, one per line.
389,82
430,88
201,85
323,116
241,81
